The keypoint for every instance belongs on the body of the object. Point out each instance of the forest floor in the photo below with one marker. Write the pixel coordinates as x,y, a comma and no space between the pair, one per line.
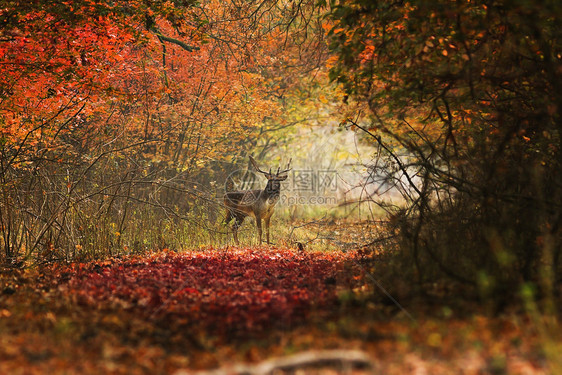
177,313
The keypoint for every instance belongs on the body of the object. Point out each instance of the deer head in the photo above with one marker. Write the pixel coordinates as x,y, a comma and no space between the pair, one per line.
273,186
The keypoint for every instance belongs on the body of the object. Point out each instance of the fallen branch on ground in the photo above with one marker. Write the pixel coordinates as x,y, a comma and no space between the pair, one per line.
344,359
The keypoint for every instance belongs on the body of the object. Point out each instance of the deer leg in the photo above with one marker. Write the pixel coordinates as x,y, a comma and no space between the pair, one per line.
258,224
235,232
267,228
227,219
237,222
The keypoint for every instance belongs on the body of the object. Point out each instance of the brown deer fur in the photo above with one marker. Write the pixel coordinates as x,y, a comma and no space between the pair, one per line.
257,203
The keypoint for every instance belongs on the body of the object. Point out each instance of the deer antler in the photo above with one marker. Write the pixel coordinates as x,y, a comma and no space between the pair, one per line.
286,170
258,168
269,174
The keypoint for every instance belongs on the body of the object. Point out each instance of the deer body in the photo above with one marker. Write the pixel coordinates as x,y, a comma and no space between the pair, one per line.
259,204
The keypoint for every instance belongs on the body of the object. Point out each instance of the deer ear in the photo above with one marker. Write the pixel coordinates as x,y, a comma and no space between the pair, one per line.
282,178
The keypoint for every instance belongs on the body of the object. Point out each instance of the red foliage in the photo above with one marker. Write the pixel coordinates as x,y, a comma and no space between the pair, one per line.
227,292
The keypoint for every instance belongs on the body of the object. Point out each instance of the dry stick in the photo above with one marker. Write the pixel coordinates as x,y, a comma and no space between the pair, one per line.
420,194
421,202
67,201
167,210
396,159
304,225
347,359
43,124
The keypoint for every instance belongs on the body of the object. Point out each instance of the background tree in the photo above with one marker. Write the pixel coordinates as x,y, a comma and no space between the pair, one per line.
465,97
118,117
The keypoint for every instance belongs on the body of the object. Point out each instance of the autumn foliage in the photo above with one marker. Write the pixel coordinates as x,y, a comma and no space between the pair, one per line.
202,309
121,121
230,292
464,103
110,108
168,308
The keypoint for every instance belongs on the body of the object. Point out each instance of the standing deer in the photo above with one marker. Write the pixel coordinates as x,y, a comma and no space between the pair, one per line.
257,203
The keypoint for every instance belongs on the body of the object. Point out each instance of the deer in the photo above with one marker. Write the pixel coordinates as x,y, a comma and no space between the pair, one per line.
257,203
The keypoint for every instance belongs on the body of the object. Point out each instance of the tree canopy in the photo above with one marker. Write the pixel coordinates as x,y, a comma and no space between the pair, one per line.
471,91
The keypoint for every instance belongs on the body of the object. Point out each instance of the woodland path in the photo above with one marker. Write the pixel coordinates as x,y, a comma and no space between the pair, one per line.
169,312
